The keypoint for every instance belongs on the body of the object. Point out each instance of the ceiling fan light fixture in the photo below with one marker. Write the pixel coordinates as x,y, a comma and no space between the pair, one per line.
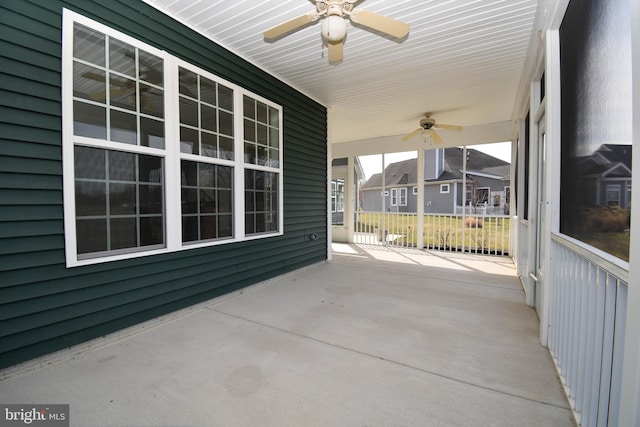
334,28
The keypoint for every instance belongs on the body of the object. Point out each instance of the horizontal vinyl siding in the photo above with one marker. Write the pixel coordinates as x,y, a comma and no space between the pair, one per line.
44,306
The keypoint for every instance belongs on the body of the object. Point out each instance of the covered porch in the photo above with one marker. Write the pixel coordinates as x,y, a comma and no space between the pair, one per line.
375,336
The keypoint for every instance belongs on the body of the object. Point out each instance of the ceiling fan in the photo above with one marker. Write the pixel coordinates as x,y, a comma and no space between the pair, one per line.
428,125
334,25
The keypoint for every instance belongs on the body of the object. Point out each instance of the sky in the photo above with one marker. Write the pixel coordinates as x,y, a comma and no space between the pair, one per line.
373,164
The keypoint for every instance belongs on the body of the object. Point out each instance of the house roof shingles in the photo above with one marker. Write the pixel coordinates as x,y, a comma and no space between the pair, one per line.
607,158
404,172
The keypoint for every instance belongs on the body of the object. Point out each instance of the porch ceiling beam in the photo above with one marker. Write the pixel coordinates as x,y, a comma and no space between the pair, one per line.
471,135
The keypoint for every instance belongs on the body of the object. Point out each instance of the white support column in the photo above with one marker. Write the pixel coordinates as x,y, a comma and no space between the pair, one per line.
420,203
329,177
464,196
552,172
532,202
384,202
629,413
350,200
513,214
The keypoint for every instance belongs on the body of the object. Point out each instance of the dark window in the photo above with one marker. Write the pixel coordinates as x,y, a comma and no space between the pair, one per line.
119,200
207,201
596,79
261,201
206,116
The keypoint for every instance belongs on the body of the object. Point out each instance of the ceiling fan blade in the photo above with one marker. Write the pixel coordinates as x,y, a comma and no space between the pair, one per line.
100,95
380,23
450,127
412,134
435,136
290,26
335,52
93,76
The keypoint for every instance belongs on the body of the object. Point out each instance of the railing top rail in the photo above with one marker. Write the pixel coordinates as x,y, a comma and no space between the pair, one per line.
479,214
605,261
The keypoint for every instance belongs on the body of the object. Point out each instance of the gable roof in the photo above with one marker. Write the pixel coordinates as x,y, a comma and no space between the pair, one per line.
606,160
404,172
616,153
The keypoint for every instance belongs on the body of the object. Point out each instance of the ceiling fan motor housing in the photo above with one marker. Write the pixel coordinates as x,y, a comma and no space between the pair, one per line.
333,26
427,123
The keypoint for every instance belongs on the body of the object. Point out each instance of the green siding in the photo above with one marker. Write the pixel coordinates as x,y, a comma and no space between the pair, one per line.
44,306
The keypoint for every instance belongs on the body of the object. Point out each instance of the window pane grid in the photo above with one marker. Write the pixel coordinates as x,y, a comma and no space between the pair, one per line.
207,201
261,133
115,211
118,91
206,116
261,202
118,116
403,196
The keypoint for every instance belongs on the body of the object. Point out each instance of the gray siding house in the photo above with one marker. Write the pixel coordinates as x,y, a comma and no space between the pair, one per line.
488,184
127,191
606,176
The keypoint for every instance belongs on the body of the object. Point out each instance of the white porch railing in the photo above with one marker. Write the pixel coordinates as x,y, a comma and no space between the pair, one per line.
488,234
587,315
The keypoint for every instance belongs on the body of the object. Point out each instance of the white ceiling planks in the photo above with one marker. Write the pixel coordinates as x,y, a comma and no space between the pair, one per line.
463,59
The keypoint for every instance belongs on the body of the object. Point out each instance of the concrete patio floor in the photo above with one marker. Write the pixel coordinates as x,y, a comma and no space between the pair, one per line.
375,337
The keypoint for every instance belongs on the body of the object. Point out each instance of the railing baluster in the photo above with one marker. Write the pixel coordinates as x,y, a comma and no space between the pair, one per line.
611,288
487,234
618,349
587,326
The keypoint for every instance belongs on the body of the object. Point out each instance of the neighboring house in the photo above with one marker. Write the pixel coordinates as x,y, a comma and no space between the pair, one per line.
488,184
606,176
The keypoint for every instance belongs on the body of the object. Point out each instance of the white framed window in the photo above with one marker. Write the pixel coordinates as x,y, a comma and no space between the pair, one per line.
415,191
394,197
481,196
333,196
403,196
207,153
337,195
496,196
158,154
444,188
613,194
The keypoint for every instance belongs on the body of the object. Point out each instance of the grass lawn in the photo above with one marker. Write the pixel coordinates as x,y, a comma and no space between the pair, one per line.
616,244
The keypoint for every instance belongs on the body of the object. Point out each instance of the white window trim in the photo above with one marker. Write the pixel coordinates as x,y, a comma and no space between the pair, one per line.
445,188
613,188
394,197
403,196
333,196
337,187
171,153
488,191
415,191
